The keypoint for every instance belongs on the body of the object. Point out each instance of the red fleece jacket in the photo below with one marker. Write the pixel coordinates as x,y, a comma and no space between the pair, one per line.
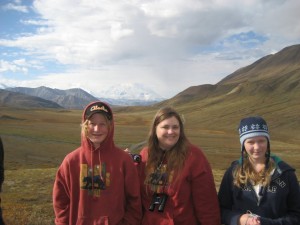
97,186
191,201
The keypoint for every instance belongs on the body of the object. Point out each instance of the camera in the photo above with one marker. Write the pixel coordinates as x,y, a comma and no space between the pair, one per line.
136,157
160,200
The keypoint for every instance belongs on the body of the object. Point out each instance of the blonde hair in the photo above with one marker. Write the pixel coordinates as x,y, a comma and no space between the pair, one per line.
176,156
247,174
84,126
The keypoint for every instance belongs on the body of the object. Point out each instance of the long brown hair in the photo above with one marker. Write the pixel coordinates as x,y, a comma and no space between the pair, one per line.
177,155
244,174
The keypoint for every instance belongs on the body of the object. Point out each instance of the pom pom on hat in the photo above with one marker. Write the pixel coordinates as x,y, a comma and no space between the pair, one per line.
252,127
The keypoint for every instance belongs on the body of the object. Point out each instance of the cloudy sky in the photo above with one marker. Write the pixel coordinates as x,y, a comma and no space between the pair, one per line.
166,45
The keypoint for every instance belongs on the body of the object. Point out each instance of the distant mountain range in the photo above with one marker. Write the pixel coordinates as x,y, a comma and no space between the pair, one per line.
76,98
268,84
18,100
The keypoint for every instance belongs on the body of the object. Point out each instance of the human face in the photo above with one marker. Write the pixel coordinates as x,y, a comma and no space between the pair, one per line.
256,148
97,129
167,132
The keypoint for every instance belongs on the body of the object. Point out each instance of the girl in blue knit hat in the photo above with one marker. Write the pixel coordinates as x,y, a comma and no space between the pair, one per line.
259,188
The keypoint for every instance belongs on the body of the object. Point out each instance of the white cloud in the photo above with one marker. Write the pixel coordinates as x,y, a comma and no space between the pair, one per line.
118,32
16,7
279,20
14,67
19,65
35,22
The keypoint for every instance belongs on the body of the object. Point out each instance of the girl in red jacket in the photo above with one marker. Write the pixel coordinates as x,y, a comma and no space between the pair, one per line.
94,185
176,179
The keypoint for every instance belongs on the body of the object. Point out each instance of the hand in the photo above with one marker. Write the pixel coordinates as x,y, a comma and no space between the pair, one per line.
243,219
127,150
248,219
253,221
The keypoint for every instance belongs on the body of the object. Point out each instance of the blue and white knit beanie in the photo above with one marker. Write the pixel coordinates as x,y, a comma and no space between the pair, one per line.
252,127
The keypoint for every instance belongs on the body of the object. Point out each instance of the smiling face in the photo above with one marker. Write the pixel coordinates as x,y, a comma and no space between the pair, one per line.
167,132
97,129
256,148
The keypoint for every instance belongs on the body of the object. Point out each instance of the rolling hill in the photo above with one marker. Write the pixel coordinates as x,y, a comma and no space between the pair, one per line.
74,98
273,74
17,100
281,64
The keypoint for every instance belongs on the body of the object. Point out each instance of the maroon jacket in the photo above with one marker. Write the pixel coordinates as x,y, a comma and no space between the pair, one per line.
191,201
97,186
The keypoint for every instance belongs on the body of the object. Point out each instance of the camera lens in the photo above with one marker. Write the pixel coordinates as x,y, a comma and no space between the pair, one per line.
137,158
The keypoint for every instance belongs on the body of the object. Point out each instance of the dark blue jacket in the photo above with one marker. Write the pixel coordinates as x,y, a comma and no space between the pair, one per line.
280,202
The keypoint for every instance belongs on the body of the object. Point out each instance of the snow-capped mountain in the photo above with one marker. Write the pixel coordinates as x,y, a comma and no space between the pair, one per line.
131,91
130,94
3,86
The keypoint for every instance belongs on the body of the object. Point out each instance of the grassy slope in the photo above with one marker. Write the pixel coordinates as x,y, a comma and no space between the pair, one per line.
36,141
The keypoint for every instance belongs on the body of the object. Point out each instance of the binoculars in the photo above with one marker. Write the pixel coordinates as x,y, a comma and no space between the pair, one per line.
160,200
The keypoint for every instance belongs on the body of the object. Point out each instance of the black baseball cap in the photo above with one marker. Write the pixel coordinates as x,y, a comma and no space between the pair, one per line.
98,107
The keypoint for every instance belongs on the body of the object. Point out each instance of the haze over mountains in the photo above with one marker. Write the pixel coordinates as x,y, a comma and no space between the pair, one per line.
76,98
273,78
